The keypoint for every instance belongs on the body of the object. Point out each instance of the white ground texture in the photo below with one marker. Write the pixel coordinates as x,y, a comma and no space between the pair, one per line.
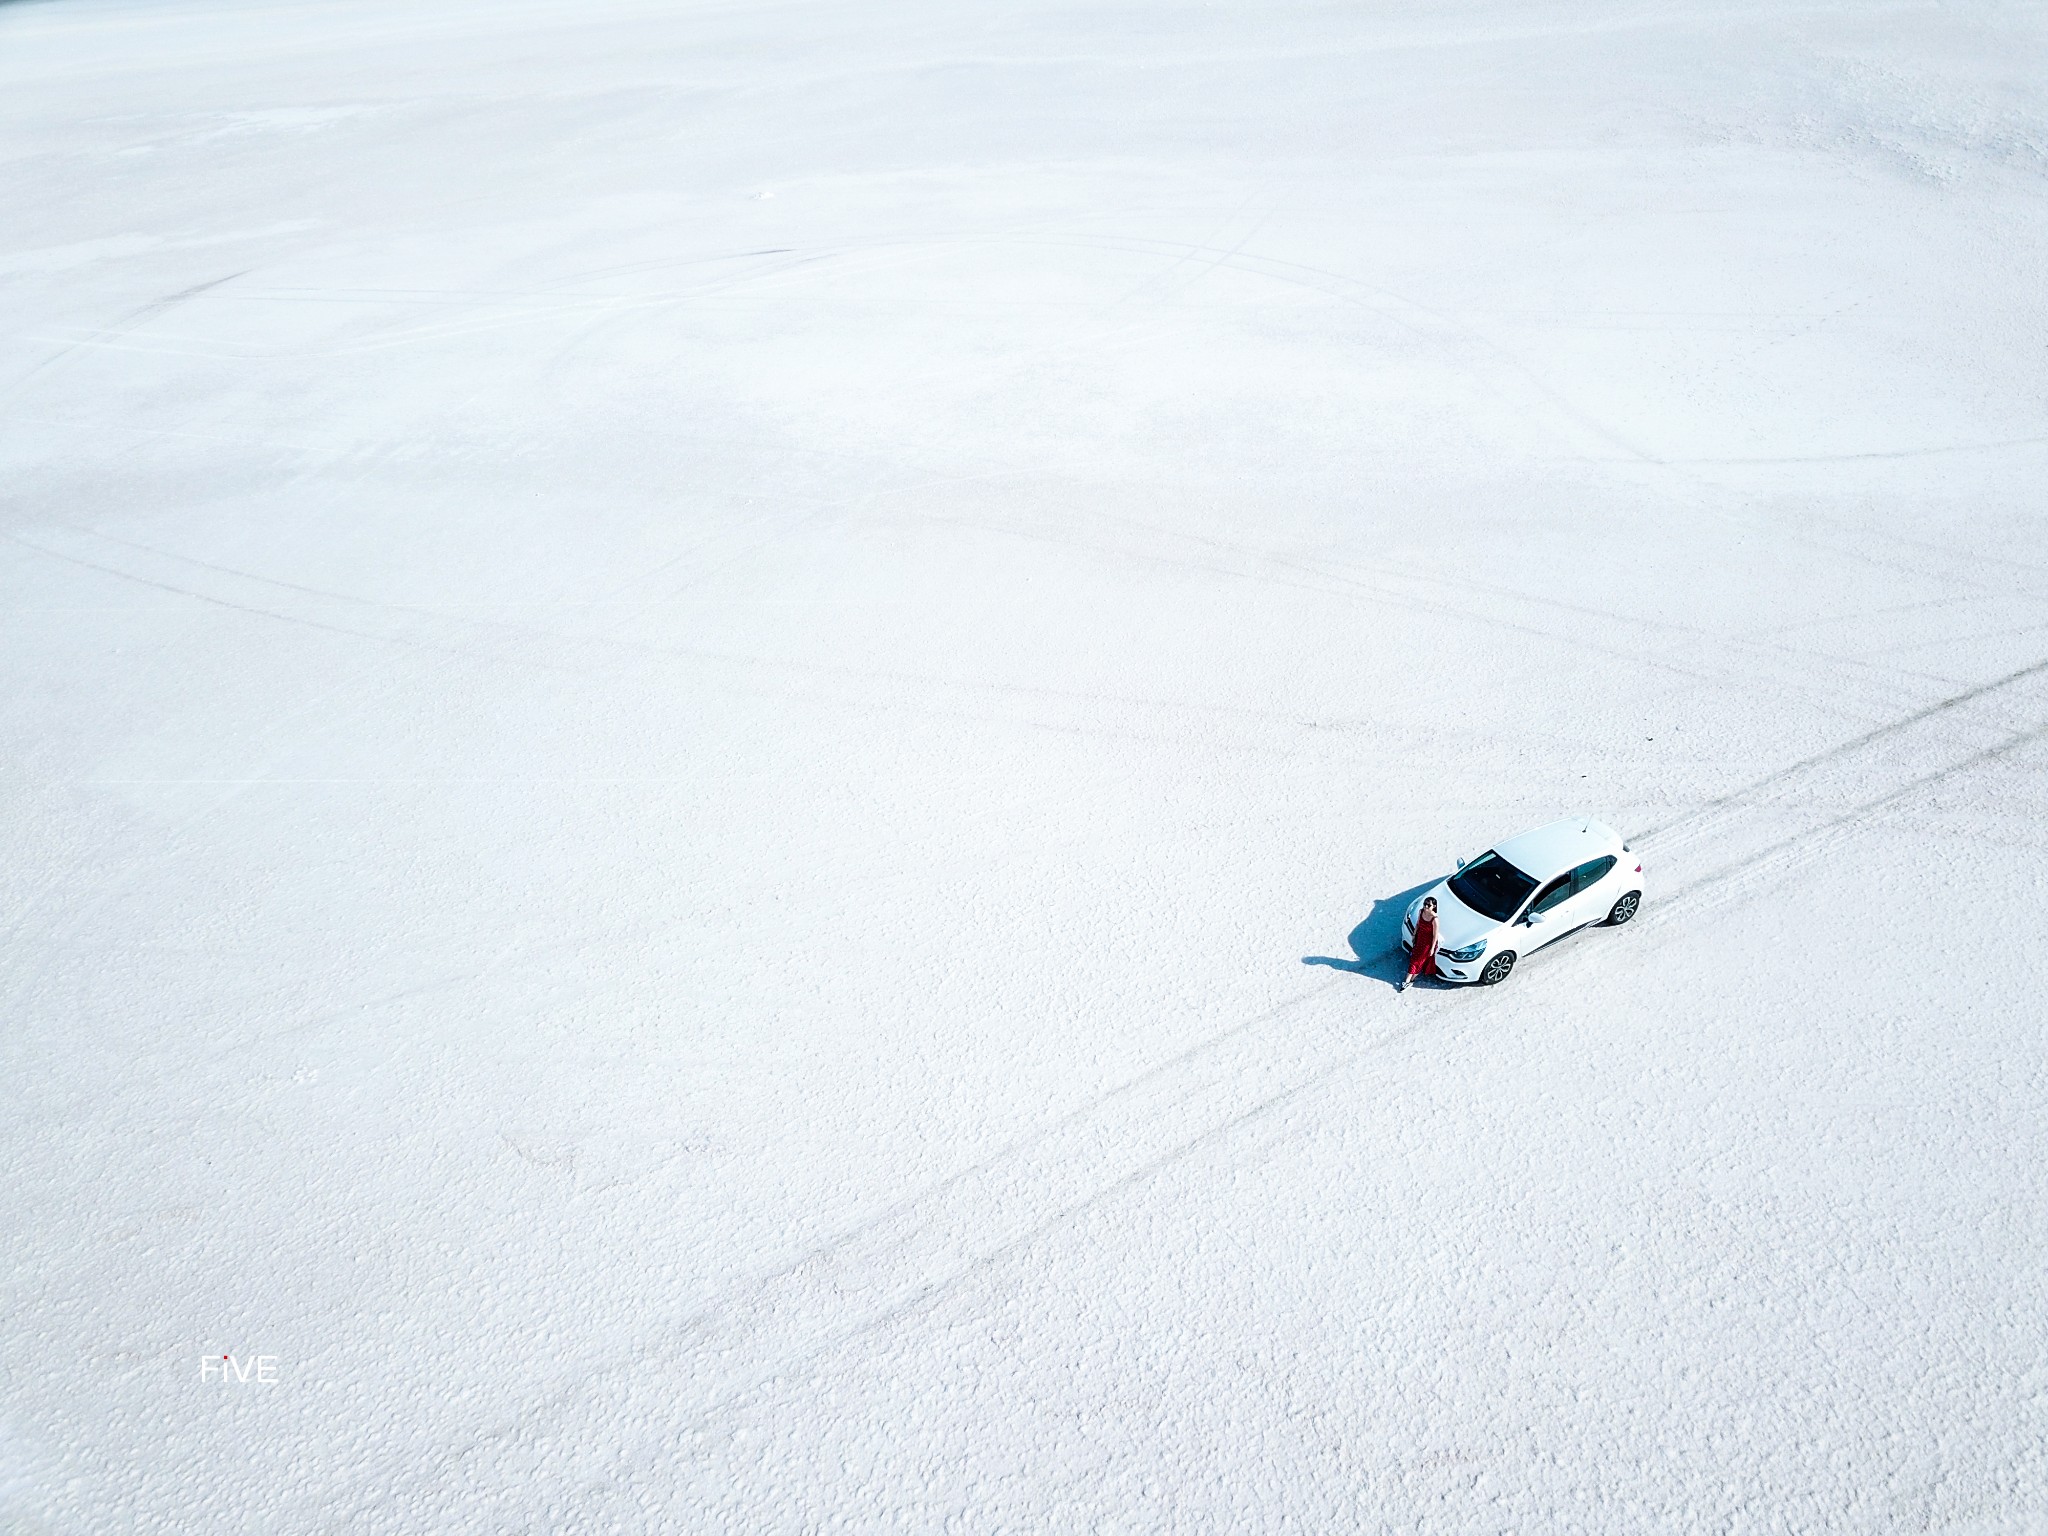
685,683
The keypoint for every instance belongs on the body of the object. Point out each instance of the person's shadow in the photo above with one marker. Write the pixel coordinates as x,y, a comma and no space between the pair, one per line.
1376,942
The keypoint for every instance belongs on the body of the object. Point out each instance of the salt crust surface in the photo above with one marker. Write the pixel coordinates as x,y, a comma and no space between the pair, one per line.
686,682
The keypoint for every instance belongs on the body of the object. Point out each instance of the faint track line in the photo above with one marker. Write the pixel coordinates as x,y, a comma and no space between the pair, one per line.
207,597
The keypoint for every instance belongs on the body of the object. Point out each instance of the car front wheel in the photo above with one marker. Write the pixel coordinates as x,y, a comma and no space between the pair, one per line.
1624,909
1497,969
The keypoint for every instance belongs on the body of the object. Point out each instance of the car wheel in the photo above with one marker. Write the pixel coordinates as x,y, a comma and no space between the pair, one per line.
1624,909
1497,969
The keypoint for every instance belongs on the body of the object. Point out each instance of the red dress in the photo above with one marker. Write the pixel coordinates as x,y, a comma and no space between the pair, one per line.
1422,958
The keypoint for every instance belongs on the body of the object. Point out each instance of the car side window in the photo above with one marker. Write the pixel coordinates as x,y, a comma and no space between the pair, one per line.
1551,895
1586,876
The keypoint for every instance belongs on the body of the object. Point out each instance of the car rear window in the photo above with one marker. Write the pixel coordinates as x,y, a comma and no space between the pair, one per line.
1492,887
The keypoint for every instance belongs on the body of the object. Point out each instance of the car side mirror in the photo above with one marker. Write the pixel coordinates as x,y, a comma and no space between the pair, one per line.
1532,919
1461,863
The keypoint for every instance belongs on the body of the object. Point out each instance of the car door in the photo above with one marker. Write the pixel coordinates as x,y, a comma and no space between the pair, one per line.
1543,919
1590,897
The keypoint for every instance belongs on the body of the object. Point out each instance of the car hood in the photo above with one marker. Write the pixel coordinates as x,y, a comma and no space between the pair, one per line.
1456,924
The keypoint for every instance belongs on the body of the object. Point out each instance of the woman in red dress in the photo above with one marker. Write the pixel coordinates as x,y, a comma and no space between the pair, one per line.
1422,958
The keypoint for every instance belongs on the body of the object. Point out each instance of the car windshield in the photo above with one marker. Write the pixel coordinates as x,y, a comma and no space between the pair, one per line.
1492,887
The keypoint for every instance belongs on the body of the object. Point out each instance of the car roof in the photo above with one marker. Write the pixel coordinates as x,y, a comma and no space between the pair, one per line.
1551,850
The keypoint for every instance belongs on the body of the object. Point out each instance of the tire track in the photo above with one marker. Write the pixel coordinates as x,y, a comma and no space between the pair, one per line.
1979,707
133,321
925,1247
400,628
1734,845
1726,886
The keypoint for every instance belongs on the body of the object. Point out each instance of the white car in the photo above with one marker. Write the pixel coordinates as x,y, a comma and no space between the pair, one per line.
1529,891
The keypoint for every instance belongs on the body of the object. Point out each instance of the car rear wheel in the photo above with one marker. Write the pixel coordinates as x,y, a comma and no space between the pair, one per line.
1624,909
1497,969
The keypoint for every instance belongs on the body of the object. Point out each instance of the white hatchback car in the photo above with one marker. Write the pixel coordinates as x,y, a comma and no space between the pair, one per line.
1529,891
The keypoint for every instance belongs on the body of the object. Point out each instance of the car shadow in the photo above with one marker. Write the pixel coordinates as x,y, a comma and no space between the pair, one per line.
1376,942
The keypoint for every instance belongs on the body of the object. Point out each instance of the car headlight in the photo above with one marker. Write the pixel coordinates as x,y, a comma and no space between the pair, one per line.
1469,952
